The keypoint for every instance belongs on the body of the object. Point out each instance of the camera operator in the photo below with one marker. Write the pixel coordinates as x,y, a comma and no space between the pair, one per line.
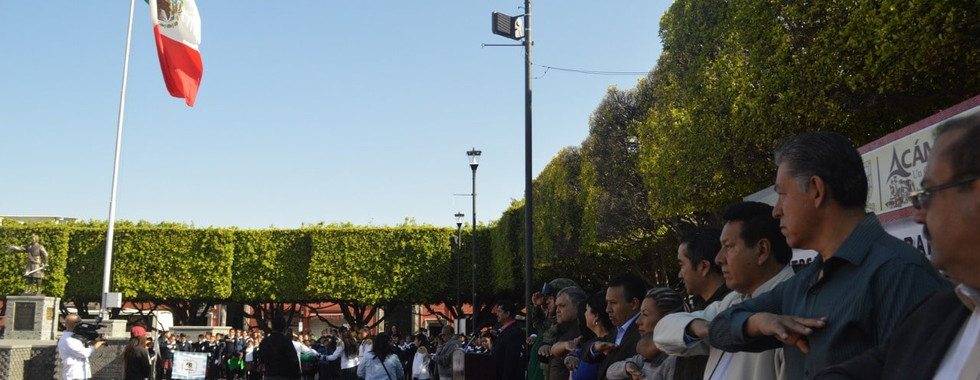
74,352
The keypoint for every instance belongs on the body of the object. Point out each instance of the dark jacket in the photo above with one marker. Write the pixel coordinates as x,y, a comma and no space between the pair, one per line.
279,356
916,347
508,353
626,349
138,365
556,364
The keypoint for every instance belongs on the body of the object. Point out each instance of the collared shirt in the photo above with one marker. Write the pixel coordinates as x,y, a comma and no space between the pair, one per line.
506,325
692,367
721,370
621,331
697,303
968,338
74,357
866,287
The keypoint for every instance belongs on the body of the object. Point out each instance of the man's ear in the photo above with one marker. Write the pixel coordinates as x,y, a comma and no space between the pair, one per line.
764,248
817,191
703,268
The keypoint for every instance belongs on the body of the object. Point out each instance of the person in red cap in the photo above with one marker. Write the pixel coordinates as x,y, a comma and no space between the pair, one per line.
136,360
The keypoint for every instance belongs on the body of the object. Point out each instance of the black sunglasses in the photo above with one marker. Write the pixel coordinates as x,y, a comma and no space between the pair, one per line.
922,198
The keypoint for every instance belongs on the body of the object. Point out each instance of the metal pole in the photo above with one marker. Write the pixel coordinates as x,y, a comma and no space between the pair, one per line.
107,271
473,270
529,199
459,252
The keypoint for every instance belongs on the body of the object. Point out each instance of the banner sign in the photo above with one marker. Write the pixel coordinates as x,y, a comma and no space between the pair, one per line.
190,365
896,169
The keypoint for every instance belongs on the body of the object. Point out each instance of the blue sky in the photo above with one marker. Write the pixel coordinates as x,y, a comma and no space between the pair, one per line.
308,111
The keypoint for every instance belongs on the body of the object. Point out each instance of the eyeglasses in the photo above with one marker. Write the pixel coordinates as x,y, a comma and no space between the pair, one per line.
922,198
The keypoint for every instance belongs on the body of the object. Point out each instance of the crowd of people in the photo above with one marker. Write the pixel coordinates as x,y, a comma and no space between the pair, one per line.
335,354
870,306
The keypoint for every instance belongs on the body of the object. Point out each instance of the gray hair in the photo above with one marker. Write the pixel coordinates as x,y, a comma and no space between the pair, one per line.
963,155
575,295
831,157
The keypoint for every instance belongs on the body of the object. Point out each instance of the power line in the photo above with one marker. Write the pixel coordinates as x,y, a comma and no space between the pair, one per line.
588,72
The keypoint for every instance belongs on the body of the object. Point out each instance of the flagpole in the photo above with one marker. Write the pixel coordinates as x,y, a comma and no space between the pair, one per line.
107,273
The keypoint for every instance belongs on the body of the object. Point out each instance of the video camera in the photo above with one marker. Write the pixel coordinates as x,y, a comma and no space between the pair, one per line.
88,332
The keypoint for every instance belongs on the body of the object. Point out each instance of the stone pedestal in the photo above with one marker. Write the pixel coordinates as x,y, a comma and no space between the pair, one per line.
32,317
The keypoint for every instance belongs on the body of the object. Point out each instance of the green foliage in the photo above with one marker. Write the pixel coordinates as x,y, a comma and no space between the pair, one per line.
507,250
379,265
271,265
737,76
558,208
151,263
86,262
612,187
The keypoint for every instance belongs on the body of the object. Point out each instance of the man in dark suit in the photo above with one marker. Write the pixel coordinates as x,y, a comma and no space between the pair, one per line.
940,337
508,350
623,299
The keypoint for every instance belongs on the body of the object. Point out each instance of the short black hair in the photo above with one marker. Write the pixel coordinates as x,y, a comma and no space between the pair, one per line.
963,154
703,244
831,157
279,324
381,346
758,224
596,302
508,306
633,286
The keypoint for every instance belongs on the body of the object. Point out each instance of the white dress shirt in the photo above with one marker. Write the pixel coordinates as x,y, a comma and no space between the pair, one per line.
74,357
959,352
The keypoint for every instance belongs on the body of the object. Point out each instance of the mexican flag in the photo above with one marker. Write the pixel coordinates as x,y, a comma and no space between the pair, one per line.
177,29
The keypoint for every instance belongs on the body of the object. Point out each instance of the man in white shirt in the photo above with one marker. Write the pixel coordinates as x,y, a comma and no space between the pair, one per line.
74,353
753,259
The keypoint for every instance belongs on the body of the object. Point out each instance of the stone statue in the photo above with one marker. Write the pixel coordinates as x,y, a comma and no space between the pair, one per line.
37,261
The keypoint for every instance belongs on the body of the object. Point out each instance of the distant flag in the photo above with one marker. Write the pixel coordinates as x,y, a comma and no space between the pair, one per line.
177,30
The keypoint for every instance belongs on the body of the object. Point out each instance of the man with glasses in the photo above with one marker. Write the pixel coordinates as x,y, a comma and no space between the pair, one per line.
938,339
851,296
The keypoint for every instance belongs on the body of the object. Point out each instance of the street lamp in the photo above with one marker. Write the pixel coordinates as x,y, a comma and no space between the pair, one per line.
459,247
474,156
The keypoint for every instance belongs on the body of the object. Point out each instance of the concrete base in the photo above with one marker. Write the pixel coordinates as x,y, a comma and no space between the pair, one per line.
112,328
32,317
39,360
27,359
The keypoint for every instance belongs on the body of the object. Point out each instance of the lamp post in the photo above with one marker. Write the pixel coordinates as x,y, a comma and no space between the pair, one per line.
474,156
459,247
